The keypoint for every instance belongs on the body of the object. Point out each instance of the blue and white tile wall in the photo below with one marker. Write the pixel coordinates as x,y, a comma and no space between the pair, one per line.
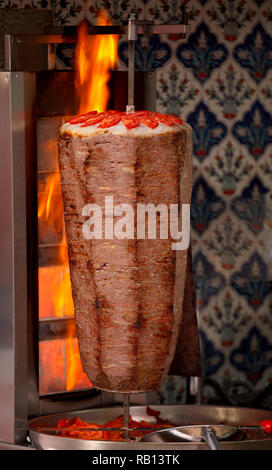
219,79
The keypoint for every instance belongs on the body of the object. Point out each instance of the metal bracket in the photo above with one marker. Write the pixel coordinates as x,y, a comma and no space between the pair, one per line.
134,28
147,28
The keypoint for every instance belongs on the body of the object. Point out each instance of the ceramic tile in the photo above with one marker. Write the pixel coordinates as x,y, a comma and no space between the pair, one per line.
230,91
229,168
48,4
177,90
118,11
69,12
231,19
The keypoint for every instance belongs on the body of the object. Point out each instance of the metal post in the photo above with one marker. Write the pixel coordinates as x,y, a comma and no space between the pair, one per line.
126,415
132,38
210,438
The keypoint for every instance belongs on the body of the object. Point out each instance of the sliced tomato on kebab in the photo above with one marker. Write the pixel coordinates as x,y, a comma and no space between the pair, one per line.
175,118
94,120
132,120
113,111
82,117
140,113
164,119
149,121
129,121
110,120
167,119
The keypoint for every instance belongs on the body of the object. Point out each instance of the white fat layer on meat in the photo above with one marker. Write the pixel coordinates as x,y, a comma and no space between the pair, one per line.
118,129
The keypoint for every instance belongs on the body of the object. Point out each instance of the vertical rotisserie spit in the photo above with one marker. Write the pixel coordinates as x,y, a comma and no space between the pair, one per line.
127,284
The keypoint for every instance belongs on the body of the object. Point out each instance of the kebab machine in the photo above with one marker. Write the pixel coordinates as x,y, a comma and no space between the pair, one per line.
30,96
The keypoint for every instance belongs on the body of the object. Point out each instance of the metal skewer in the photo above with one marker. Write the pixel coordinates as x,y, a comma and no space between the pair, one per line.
132,38
126,415
131,61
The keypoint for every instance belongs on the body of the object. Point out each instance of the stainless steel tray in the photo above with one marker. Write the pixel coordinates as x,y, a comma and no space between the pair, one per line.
176,414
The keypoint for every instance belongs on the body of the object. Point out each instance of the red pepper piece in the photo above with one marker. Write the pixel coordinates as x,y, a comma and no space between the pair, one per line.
109,121
152,412
80,423
64,423
266,425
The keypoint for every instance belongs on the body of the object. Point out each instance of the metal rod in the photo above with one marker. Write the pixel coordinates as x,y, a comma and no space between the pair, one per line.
132,38
210,439
132,30
56,328
88,428
126,415
119,29
131,75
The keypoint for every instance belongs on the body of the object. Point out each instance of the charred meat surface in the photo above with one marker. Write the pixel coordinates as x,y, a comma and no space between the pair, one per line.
127,293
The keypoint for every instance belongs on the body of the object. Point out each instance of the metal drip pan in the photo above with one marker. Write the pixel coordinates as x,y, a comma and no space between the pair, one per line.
177,414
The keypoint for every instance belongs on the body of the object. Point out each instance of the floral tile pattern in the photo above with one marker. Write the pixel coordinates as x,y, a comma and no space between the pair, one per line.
118,11
202,53
175,90
150,53
68,12
255,130
208,282
205,206
252,282
171,11
231,16
250,206
253,356
219,79
228,242
256,53
230,91
208,132
229,167
226,318
213,358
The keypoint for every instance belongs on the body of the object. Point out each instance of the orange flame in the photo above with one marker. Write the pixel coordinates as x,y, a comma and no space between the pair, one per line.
55,295
75,377
56,278
62,295
95,57
51,189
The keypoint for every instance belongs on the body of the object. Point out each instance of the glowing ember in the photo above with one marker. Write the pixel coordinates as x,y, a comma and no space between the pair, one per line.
96,56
